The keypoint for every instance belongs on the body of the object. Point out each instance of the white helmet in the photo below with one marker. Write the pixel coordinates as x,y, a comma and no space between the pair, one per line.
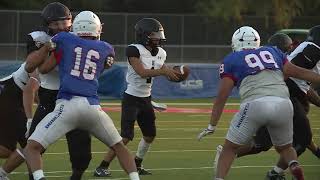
245,38
87,23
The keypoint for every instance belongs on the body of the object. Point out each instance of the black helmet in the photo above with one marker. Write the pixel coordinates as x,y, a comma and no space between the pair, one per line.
54,12
314,35
148,29
281,41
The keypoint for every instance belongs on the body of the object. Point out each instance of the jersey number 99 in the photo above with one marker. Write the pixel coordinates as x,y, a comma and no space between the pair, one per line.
254,60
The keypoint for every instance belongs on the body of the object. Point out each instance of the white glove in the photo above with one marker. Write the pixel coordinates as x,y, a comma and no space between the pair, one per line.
209,130
51,45
28,125
110,61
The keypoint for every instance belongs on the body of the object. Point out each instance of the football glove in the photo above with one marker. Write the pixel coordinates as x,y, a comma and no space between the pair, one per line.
110,61
209,130
28,126
51,45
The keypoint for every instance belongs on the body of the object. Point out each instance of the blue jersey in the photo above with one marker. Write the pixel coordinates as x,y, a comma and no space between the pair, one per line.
81,61
239,65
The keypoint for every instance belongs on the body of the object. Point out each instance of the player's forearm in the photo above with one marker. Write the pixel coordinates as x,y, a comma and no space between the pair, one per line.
28,96
151,73
292,70
36,58
313,97
48,65
27,103
216,112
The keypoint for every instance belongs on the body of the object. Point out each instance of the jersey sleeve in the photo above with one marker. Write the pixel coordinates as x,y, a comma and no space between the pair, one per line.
226,69
56,38
309,58
132,51
282,56
112,52
31,45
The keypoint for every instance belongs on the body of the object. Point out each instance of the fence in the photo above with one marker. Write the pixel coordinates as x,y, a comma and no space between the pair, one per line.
190,38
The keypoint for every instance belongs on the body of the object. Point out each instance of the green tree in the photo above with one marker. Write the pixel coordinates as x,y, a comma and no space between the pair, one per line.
282,11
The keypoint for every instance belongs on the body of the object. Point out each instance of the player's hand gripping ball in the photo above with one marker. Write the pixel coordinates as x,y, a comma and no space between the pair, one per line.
182,72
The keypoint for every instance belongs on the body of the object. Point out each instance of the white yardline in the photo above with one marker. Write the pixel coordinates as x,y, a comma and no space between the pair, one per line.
167,151
162,151
178,138
165,138
176,104
170,169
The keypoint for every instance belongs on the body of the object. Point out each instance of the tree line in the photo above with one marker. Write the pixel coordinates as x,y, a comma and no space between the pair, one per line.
282,11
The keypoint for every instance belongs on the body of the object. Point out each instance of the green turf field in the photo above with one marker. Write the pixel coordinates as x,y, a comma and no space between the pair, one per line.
176,154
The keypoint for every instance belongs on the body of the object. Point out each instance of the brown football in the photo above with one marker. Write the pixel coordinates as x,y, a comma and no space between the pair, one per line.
182,72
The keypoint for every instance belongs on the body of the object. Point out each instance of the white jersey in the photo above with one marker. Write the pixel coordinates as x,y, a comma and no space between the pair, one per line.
50,80
303,85
21,76
138,86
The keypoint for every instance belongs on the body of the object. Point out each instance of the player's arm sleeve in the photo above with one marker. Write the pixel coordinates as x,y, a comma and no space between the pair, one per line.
309,58
132,51
31,45
226,70
283,58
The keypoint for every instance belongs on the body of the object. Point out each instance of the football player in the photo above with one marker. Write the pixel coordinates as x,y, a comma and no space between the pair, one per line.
77,101
306,55
56,17
259,73
16,100
146,59
302,137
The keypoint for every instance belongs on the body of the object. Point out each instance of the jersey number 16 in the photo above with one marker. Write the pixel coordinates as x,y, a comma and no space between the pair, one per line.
90,66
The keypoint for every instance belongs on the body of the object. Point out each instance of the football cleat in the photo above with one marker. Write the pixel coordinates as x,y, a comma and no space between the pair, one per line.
216,158
102,172
4,178
272,175
297,173
143,171
159,106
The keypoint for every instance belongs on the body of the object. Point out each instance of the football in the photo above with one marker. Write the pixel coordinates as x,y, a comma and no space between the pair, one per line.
182,72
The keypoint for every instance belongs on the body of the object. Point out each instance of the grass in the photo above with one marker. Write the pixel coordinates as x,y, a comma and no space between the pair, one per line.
176,154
